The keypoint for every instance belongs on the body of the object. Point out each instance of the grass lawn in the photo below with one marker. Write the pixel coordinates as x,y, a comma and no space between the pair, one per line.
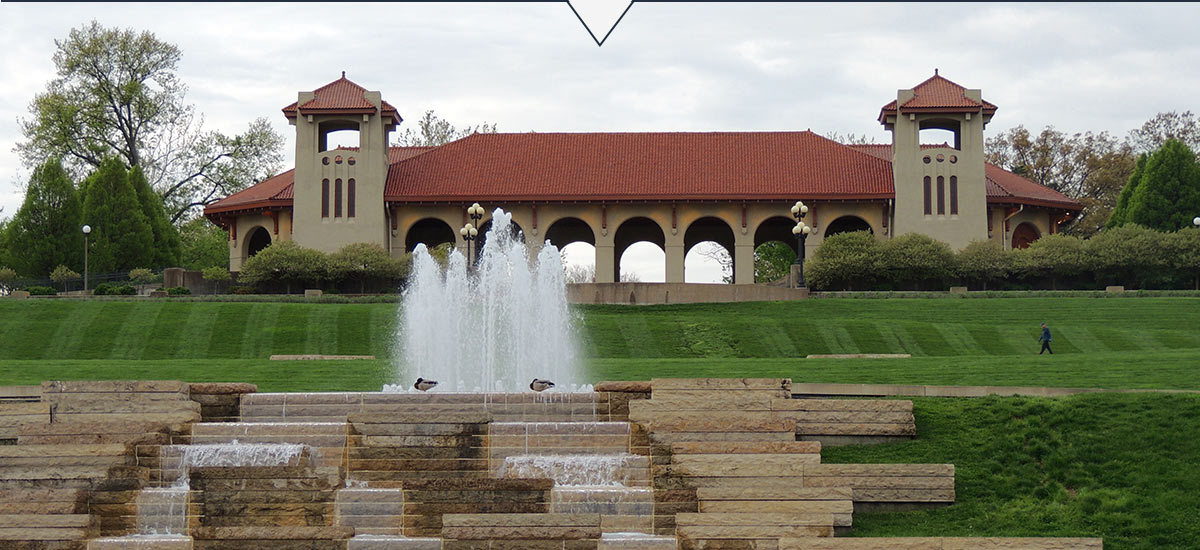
1121,466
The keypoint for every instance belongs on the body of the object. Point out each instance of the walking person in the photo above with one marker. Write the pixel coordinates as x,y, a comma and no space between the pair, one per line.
1045,340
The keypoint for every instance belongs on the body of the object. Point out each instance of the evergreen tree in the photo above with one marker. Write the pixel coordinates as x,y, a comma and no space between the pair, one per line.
45,232
1168,196
167,245
121,236
1120,213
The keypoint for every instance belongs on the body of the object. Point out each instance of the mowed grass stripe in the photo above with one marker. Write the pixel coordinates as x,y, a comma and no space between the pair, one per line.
135,332
25,325
69,335
229,326
322,331
196,331
259,331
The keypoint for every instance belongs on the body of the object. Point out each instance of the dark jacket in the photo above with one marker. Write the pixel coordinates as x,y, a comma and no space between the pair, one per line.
1045,335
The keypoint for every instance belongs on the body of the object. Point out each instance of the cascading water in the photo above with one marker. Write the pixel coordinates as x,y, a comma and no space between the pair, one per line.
493,328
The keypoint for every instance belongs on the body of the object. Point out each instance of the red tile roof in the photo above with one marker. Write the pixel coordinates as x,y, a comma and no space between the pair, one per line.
640,166
1002,186
938,94
339,97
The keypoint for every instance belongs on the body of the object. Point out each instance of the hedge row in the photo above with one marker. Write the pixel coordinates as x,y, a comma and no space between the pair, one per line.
1131,256
285,266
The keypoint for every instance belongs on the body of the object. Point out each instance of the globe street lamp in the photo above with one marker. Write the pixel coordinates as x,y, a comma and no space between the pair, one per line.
86,230
468,233
475,212
801,231
1196,221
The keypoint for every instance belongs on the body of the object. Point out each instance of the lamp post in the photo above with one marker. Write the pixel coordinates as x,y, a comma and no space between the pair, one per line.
86,230
801,231
469,232
1196,221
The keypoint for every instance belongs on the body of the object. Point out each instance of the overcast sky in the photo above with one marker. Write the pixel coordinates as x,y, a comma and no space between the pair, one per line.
667,66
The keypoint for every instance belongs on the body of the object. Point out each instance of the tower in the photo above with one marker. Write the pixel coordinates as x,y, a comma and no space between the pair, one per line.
941,190
339,192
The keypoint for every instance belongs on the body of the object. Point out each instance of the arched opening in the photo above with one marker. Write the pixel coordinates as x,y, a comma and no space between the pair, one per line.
577,244
485,227
570,230
431,232
846,224
1024,235
777,228
640,237
579,261
259,239
774,249
332,134
708,251
941,131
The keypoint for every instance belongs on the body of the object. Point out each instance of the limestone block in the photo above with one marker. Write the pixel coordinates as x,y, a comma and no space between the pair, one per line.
776,493
161,542
966,543
521,526
880,405
741,465
633,386
842,510
846,428
747,447
271,533
866,543
753,531
221,388
720,383
717,399
115,386
731,421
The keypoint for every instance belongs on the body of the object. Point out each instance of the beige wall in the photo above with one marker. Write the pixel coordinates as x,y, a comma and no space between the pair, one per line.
247,223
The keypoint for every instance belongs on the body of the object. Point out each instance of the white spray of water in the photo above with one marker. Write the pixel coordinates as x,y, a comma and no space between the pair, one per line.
570,470
489,329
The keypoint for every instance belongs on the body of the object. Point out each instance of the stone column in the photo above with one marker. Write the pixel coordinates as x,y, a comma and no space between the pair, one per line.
675,255
743,263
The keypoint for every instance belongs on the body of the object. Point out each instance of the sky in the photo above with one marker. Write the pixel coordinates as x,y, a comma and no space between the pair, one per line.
667,66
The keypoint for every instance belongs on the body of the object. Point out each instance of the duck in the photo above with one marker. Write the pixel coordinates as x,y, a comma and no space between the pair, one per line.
425,385
540,385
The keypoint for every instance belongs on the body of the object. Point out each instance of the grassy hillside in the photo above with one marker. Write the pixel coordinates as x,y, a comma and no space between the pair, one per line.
1118,466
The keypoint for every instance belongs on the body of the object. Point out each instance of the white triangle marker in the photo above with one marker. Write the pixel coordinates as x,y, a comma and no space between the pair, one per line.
600,16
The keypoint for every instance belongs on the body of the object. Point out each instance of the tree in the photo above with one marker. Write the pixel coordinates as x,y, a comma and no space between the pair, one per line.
1055,257
203,245
843,262
1168,195
45,232
915,260
167,247
364,262
576,273
1088,167
1120,213
982,262
62,274
214,275
1186,245
1155,132
117,93
121,236
772,261
8,276
1130,255
436,131
285,262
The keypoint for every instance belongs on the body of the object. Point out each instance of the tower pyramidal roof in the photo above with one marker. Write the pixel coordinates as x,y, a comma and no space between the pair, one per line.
341,96
938,95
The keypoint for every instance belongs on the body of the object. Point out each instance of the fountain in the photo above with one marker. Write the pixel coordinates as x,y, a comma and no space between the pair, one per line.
493,328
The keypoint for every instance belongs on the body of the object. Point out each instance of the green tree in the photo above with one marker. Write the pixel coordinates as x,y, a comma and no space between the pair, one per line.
434,131
772,261
287,263
62,274
203,245
1186,245
1054,257
914,260
1130,255
1120,212
117,93
1168,196
982,262
45,232
167,246
8,276
121,237
362,262
845,261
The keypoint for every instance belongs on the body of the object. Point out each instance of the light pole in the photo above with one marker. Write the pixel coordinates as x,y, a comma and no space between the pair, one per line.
475,212
1196,221
801,231
86,230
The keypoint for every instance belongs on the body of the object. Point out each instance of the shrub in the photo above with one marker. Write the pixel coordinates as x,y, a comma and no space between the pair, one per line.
41,291
7,277
215,273
62,274
364,262
1054,257
242,290
914,260
983,262
178,291
285,262
141,276
843,262
114,289
1185,245
1130,255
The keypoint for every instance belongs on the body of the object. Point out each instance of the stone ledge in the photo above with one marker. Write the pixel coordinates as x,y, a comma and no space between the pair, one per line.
272,533
222,388
631,386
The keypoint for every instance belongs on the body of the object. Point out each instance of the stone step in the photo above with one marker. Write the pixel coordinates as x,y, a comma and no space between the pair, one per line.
521,526
359,542
660,384
158,542
115,386
636,541
753,526
44,520
746,447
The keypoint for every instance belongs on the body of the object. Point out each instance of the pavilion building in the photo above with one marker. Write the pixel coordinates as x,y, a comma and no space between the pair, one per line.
611,190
